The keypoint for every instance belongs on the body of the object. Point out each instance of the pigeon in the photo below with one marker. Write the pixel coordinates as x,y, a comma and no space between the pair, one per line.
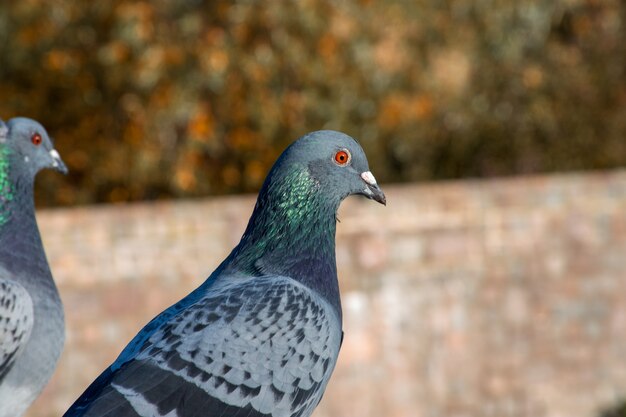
260,337
31,313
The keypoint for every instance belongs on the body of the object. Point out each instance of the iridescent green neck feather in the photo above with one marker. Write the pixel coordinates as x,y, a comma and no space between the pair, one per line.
18,227
291,233
7,191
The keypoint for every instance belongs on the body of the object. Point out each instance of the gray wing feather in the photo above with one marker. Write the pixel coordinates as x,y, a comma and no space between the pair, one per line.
266,347
16,322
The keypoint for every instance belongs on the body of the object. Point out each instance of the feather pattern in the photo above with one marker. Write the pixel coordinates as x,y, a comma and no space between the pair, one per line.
16,321
266,344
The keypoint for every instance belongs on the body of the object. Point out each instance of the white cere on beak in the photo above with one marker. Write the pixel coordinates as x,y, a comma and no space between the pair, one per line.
368,177
55,157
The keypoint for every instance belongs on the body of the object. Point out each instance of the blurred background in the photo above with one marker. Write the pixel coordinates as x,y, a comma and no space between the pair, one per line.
162,99
480,297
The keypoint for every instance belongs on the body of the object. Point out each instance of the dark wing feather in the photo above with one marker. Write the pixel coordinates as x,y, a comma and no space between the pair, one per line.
260,347
16,322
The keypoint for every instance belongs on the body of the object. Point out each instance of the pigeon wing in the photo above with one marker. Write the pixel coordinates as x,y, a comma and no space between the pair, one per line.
264,347
16,321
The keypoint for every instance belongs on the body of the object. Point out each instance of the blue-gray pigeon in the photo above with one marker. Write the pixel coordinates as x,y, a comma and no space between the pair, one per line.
31,313
261,336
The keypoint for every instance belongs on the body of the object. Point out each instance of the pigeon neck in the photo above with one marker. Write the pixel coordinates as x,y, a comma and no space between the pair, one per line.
19,235
7,189
292,233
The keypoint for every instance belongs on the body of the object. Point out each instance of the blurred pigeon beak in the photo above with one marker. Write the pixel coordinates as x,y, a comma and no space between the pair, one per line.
3,131
372,190
57,162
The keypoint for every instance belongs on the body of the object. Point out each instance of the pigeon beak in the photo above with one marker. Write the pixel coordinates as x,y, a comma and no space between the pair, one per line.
57,162
372,190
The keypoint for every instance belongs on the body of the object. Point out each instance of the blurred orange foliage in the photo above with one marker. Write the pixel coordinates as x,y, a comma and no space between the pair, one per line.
165,99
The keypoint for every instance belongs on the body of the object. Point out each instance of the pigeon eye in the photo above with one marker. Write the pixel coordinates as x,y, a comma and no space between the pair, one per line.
342,157
36,139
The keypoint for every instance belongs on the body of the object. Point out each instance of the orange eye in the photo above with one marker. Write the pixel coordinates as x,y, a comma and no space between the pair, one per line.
342,157
36,139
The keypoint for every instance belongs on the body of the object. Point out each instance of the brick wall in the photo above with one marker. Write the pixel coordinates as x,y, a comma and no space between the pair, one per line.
494,298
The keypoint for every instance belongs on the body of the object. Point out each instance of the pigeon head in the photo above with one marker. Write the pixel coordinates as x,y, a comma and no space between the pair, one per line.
292,229
335,163
30,147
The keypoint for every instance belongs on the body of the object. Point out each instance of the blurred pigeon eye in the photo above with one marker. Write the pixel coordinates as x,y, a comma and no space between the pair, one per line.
36,139
342,157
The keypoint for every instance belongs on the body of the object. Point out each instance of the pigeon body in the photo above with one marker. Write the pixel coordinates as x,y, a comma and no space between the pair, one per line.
31,313
260,337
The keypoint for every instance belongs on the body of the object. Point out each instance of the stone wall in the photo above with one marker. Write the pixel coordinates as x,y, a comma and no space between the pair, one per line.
498,298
